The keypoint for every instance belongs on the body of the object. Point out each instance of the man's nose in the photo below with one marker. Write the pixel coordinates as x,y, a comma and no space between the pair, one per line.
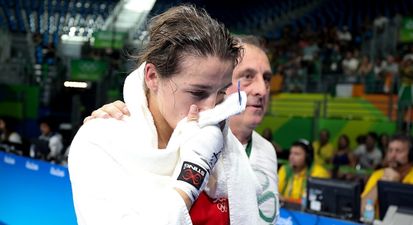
259,87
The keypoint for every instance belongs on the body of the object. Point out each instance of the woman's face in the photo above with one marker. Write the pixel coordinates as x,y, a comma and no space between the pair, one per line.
297,157
342,142
201,81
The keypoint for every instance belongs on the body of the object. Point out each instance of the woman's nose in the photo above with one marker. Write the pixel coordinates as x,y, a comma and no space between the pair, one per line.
208,103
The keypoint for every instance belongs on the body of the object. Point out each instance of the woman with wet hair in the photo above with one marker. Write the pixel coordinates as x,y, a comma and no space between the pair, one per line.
150,167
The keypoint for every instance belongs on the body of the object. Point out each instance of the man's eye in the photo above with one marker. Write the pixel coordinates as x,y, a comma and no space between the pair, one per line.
222,92
221,96
267,79
248,76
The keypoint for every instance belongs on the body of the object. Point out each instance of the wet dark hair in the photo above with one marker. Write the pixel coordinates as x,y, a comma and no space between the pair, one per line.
186,31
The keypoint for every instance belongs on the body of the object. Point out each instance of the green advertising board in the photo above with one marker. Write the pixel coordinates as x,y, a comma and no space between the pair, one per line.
87,70
406,30
109,39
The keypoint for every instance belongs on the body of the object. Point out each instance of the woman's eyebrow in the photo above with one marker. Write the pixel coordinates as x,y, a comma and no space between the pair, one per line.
201,86
208,87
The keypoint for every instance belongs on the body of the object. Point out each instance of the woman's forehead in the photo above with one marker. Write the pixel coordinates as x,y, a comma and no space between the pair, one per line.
297,149
204,70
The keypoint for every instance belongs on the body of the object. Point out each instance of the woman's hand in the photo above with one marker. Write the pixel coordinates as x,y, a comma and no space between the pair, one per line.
198,155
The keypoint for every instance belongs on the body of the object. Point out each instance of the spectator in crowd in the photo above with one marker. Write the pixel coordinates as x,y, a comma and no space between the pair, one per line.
381,27
267,135
310,51
334,59
406,72
344,36
409,54
49,144
323,149
343,156
399,168
366,67
277,80
391,73
379,70
380,23
254,74
8,133
360,140
383,142
368,155
295,74
406,87
293,176
366,73
350,65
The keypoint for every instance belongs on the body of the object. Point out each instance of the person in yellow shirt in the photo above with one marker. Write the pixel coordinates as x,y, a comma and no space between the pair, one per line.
293,176
323,149
399,168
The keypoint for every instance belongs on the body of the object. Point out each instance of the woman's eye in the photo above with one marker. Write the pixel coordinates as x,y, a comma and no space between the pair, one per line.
199,94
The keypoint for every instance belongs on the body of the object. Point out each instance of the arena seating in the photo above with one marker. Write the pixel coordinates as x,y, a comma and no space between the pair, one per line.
304,105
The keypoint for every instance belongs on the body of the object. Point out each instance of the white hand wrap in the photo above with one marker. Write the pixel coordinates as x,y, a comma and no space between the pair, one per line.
198,156
202,143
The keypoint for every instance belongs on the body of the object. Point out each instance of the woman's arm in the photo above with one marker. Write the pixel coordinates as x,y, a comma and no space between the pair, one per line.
105,193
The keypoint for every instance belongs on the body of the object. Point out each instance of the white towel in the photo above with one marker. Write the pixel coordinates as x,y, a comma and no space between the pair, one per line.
232,176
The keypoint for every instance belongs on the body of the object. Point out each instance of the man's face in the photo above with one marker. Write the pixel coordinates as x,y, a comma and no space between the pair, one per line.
297,157
254,74
397,154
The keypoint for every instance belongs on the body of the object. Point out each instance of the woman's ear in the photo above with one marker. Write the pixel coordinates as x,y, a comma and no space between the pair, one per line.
151,77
